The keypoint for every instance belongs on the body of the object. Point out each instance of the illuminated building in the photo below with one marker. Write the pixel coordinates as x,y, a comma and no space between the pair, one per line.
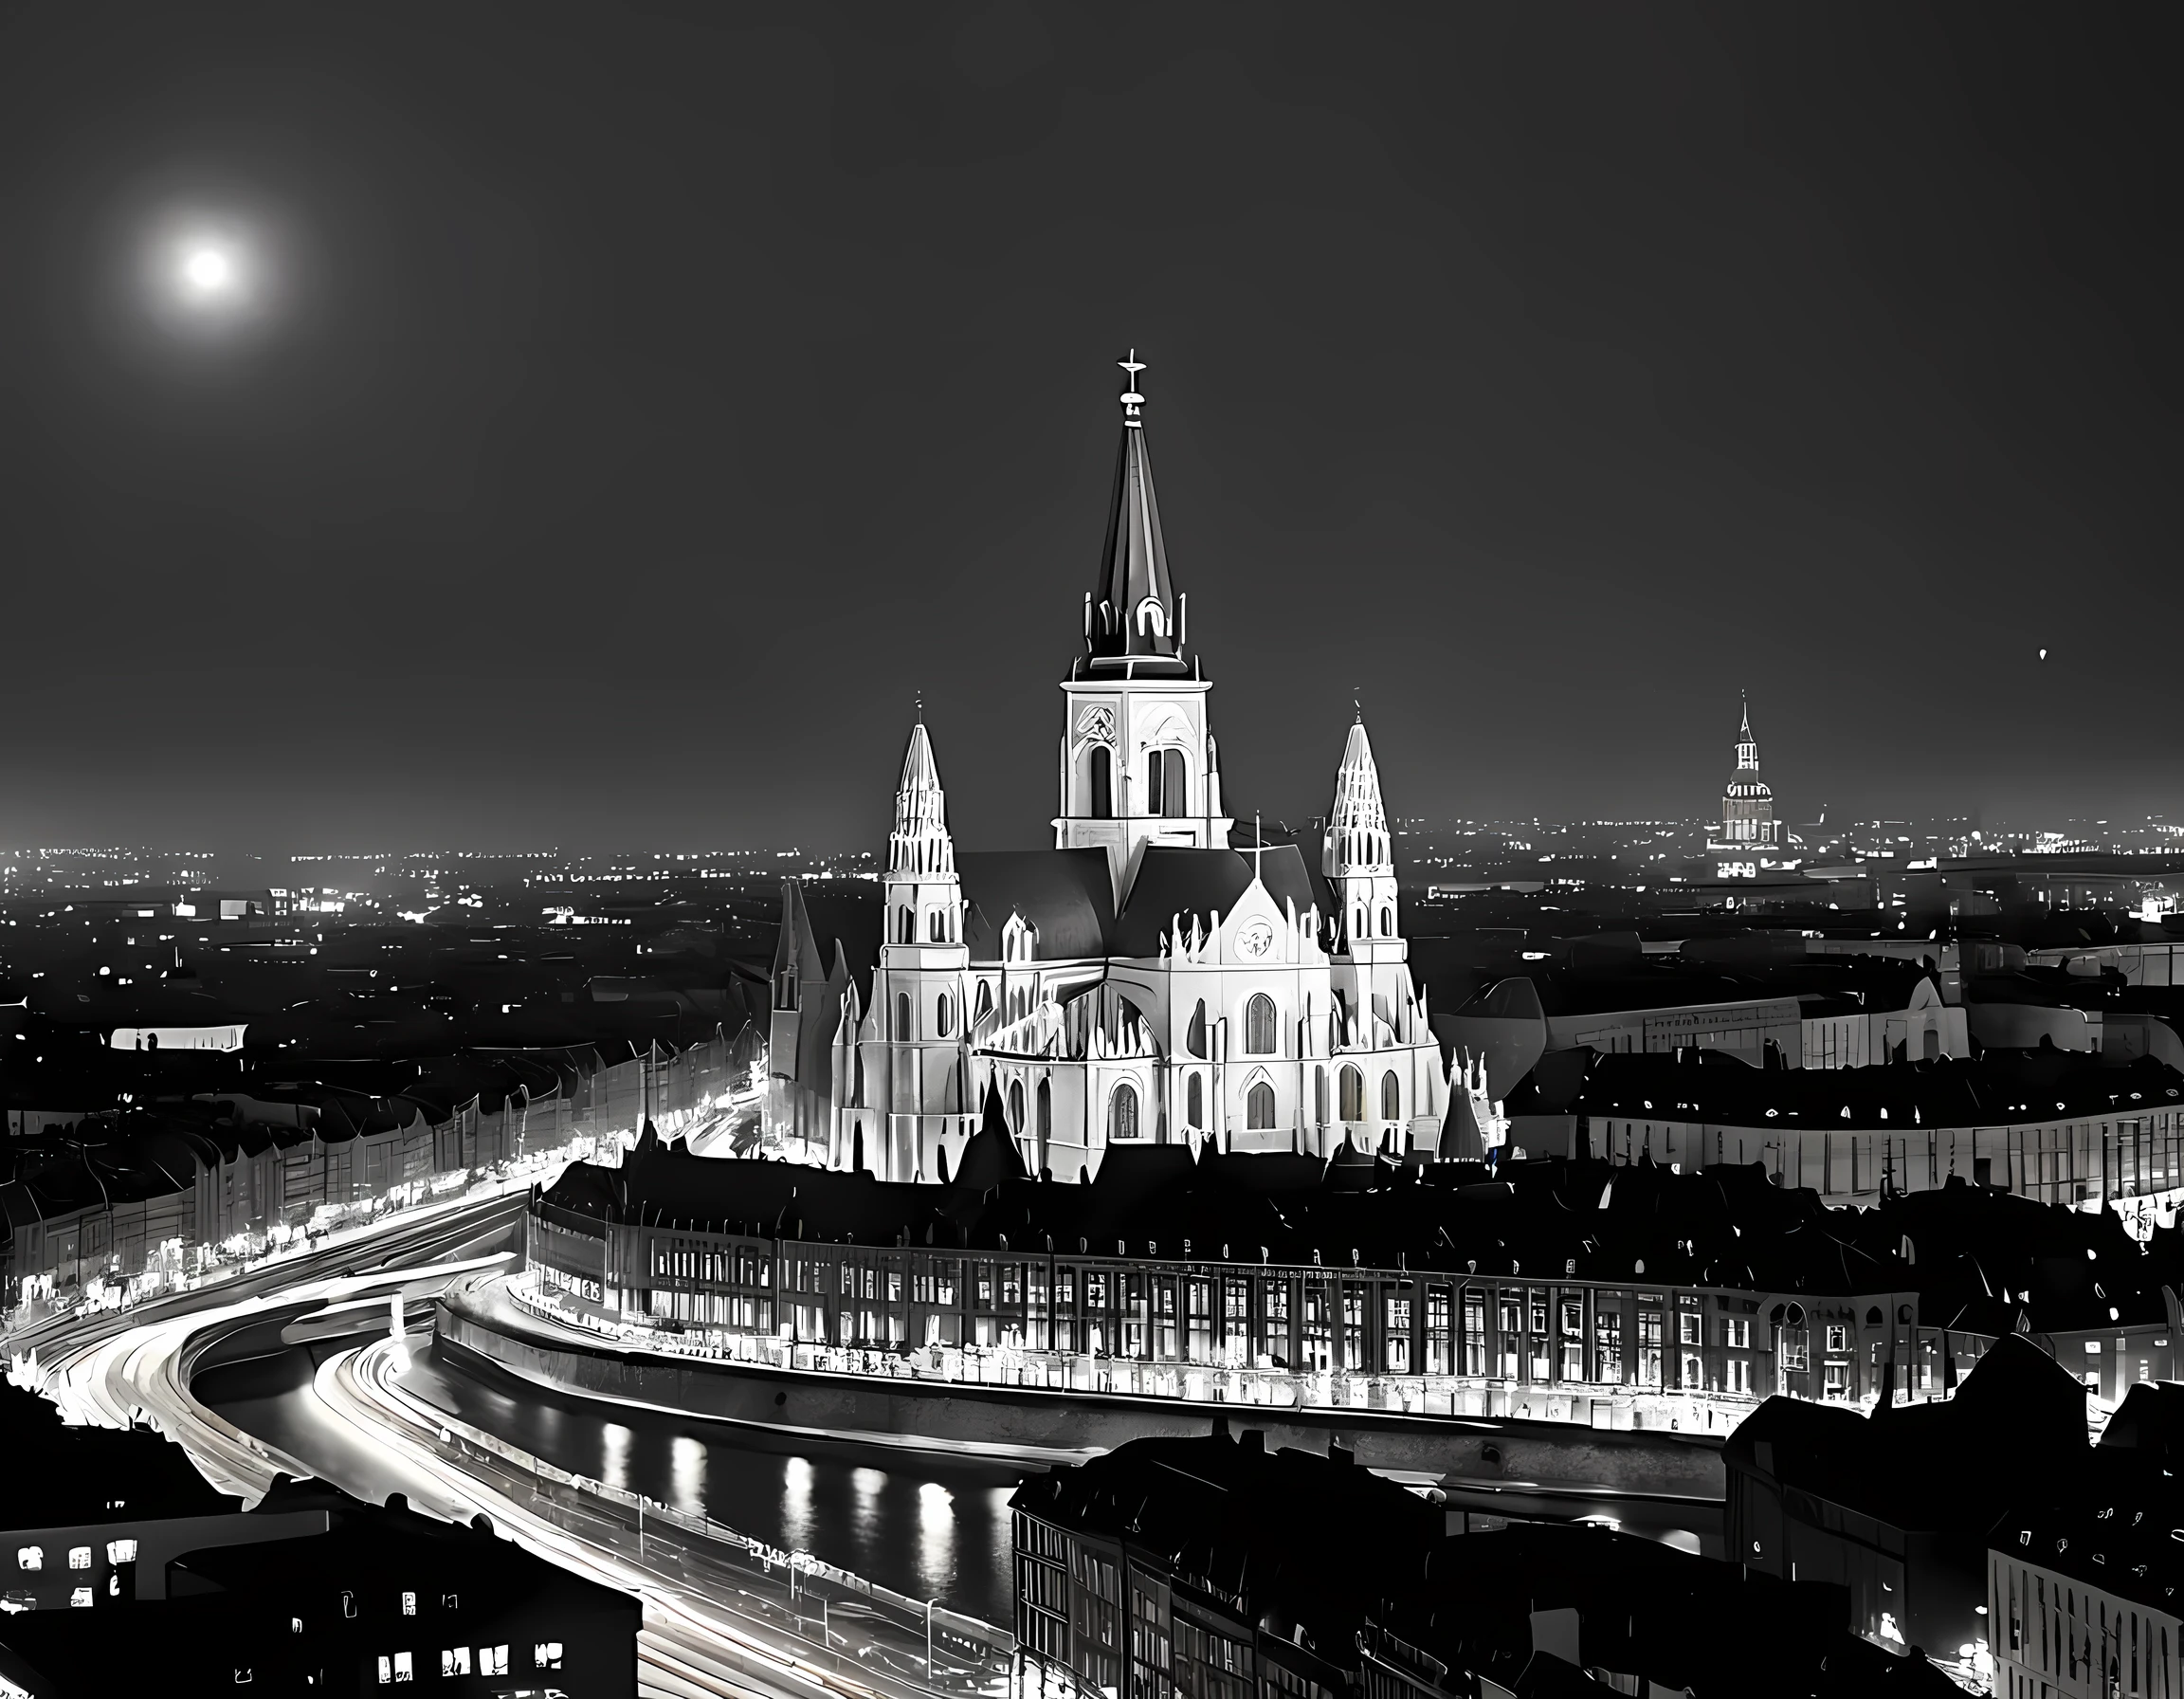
1751,839
1141,981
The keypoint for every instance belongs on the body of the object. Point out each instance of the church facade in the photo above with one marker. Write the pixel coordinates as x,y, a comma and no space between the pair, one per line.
1148,979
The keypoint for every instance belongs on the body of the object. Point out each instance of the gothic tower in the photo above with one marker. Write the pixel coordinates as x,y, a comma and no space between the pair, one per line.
1138,760
919,999
1359,858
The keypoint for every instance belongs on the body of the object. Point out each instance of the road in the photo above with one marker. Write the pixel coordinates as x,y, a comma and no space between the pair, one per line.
713,1627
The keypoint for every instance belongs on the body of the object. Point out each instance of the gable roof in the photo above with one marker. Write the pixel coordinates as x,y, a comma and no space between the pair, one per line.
1174,879
1066,893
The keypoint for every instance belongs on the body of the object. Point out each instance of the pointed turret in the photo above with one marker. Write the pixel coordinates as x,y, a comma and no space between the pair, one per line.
1358,857
1133,613
919,844
1747,745
1357,823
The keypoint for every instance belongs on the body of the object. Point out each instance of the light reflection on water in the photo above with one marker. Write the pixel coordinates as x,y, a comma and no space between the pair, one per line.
936,1537
688,1469
615,1454
797,1477
933,1527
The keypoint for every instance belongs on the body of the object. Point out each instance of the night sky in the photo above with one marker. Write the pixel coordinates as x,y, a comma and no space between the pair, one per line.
640,404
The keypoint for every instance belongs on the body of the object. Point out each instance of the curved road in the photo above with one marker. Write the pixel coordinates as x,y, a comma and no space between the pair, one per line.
741,1638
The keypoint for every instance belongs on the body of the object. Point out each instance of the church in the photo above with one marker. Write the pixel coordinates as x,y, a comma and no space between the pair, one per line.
1156,977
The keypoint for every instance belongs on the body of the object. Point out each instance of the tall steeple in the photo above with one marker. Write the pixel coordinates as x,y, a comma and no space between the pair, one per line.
1357,855
1138,764
1747,745
1132,617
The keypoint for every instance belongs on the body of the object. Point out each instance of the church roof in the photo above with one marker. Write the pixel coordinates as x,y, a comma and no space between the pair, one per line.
1174,879
1067,893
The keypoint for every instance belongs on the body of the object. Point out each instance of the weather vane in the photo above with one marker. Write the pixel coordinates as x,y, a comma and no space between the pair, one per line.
1131,401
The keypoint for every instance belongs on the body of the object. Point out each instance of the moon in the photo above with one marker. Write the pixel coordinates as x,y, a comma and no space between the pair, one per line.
208,269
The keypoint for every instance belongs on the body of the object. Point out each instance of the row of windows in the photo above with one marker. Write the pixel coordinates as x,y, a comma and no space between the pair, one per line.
1259,1102
455,1661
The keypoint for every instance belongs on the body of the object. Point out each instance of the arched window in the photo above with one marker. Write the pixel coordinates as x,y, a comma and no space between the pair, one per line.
1045,1100
1353,1094
940,1016
936,927
1259,1108
1167,791
1387,922
1194,1102
901,1014
984,999
1195,1034
1102,797
1017,1106
906,926
1122,1113
1390,1097
1320,1097
1259,1025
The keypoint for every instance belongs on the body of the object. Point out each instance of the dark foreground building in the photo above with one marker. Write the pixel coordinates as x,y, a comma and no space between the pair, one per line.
1897,1508
126,1573
2086,1579
1216,1569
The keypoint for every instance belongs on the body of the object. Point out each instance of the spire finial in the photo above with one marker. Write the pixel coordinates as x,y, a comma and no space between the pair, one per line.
1357,701
1258,846
1132,403
921,707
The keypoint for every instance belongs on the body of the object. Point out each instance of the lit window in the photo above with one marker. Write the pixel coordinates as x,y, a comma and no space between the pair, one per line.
492,1660
296,1625
79,1557
386,1671
455,1661
547,1655
409,1604
79,1598
447,1601
120,1551
30,1556
405,1666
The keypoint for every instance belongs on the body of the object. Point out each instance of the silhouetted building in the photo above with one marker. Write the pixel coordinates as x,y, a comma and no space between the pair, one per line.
1215,1569
1897,1506
2085,1586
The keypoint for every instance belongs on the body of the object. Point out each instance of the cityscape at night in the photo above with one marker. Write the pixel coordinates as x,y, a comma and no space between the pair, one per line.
697,1000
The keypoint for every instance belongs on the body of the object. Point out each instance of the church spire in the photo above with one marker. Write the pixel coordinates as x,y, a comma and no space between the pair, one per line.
1357,823
919,844
1747,745
1133,615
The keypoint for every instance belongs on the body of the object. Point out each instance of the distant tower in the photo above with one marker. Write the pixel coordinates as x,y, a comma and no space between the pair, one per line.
1358,859
1747,804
